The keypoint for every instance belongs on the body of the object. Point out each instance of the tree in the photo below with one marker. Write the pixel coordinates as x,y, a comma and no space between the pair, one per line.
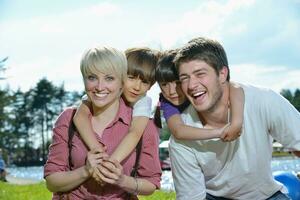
294,99
287,94
44,94
2,68
48,101
8,139
23,124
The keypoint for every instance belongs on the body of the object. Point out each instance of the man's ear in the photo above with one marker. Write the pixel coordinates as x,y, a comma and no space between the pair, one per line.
223,73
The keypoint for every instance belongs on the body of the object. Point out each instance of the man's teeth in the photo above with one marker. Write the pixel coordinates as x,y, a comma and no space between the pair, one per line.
198,94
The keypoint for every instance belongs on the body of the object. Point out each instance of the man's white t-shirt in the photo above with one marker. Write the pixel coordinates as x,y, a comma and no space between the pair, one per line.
240,169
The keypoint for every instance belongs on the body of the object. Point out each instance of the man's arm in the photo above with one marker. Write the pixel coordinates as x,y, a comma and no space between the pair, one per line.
283,121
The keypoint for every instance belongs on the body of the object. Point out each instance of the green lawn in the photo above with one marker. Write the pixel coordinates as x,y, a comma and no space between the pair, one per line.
24,192
40,192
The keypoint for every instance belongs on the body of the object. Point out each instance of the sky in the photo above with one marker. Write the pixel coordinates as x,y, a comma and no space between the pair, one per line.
47,38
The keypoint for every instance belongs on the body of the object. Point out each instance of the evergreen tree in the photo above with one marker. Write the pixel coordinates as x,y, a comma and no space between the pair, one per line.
44,94
296,99
2,67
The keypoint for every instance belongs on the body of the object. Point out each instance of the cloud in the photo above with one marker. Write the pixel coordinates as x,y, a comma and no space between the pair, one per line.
69,26
209,18
247,31
274,77
51,45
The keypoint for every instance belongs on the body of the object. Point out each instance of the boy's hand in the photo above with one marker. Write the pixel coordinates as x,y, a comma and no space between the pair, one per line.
100,148
94,158
231,132
111,172
97,176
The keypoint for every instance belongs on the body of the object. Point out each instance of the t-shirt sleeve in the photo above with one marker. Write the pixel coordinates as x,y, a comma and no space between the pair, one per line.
168,109
142,107
186,172
149,165
283,120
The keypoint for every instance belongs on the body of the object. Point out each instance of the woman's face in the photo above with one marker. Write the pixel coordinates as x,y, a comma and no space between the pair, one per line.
172,92
103,89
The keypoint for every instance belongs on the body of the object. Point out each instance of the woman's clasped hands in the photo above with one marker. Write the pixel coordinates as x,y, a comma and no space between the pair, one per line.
103,168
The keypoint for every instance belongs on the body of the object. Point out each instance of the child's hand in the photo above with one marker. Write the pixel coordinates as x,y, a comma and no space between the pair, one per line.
231,132
93,159
97,176
95,172
99,148
112,172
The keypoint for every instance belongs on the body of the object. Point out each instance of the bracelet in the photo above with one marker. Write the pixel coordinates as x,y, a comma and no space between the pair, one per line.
136,191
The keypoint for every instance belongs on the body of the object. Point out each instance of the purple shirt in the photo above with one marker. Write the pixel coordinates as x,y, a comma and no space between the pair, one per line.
170,109
149,165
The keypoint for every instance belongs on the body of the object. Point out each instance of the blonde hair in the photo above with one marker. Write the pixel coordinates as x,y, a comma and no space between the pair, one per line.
105,60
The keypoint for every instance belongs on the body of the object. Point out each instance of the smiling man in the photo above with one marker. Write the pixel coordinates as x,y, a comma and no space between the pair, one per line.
240,169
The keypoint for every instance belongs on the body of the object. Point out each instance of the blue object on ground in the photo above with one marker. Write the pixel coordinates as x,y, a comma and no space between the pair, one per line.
291,182
2,164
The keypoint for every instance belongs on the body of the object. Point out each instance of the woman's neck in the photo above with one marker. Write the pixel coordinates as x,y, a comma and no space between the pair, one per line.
107,113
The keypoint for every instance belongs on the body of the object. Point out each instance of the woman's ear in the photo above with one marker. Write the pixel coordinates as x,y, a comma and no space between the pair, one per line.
223,73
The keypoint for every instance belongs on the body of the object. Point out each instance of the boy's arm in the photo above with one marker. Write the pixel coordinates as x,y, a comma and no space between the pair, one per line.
237,99
140,117
130,141
84,127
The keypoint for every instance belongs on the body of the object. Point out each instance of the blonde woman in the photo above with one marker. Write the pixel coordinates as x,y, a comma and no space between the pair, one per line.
104,70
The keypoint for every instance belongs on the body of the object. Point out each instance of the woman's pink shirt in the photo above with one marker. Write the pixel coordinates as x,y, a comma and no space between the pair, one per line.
149,165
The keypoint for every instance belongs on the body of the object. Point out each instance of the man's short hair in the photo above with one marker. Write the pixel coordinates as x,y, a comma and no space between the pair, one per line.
204,49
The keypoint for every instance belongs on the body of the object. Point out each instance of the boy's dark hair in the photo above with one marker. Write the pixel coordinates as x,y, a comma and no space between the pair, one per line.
207,50
142,63
166,70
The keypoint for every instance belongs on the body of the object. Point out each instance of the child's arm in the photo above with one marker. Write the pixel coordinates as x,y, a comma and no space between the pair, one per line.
181,131
130,141
237,99
141,114
184,132
84,126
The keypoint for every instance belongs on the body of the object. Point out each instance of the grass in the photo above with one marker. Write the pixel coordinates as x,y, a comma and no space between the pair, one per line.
281,154
24,192
40,192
